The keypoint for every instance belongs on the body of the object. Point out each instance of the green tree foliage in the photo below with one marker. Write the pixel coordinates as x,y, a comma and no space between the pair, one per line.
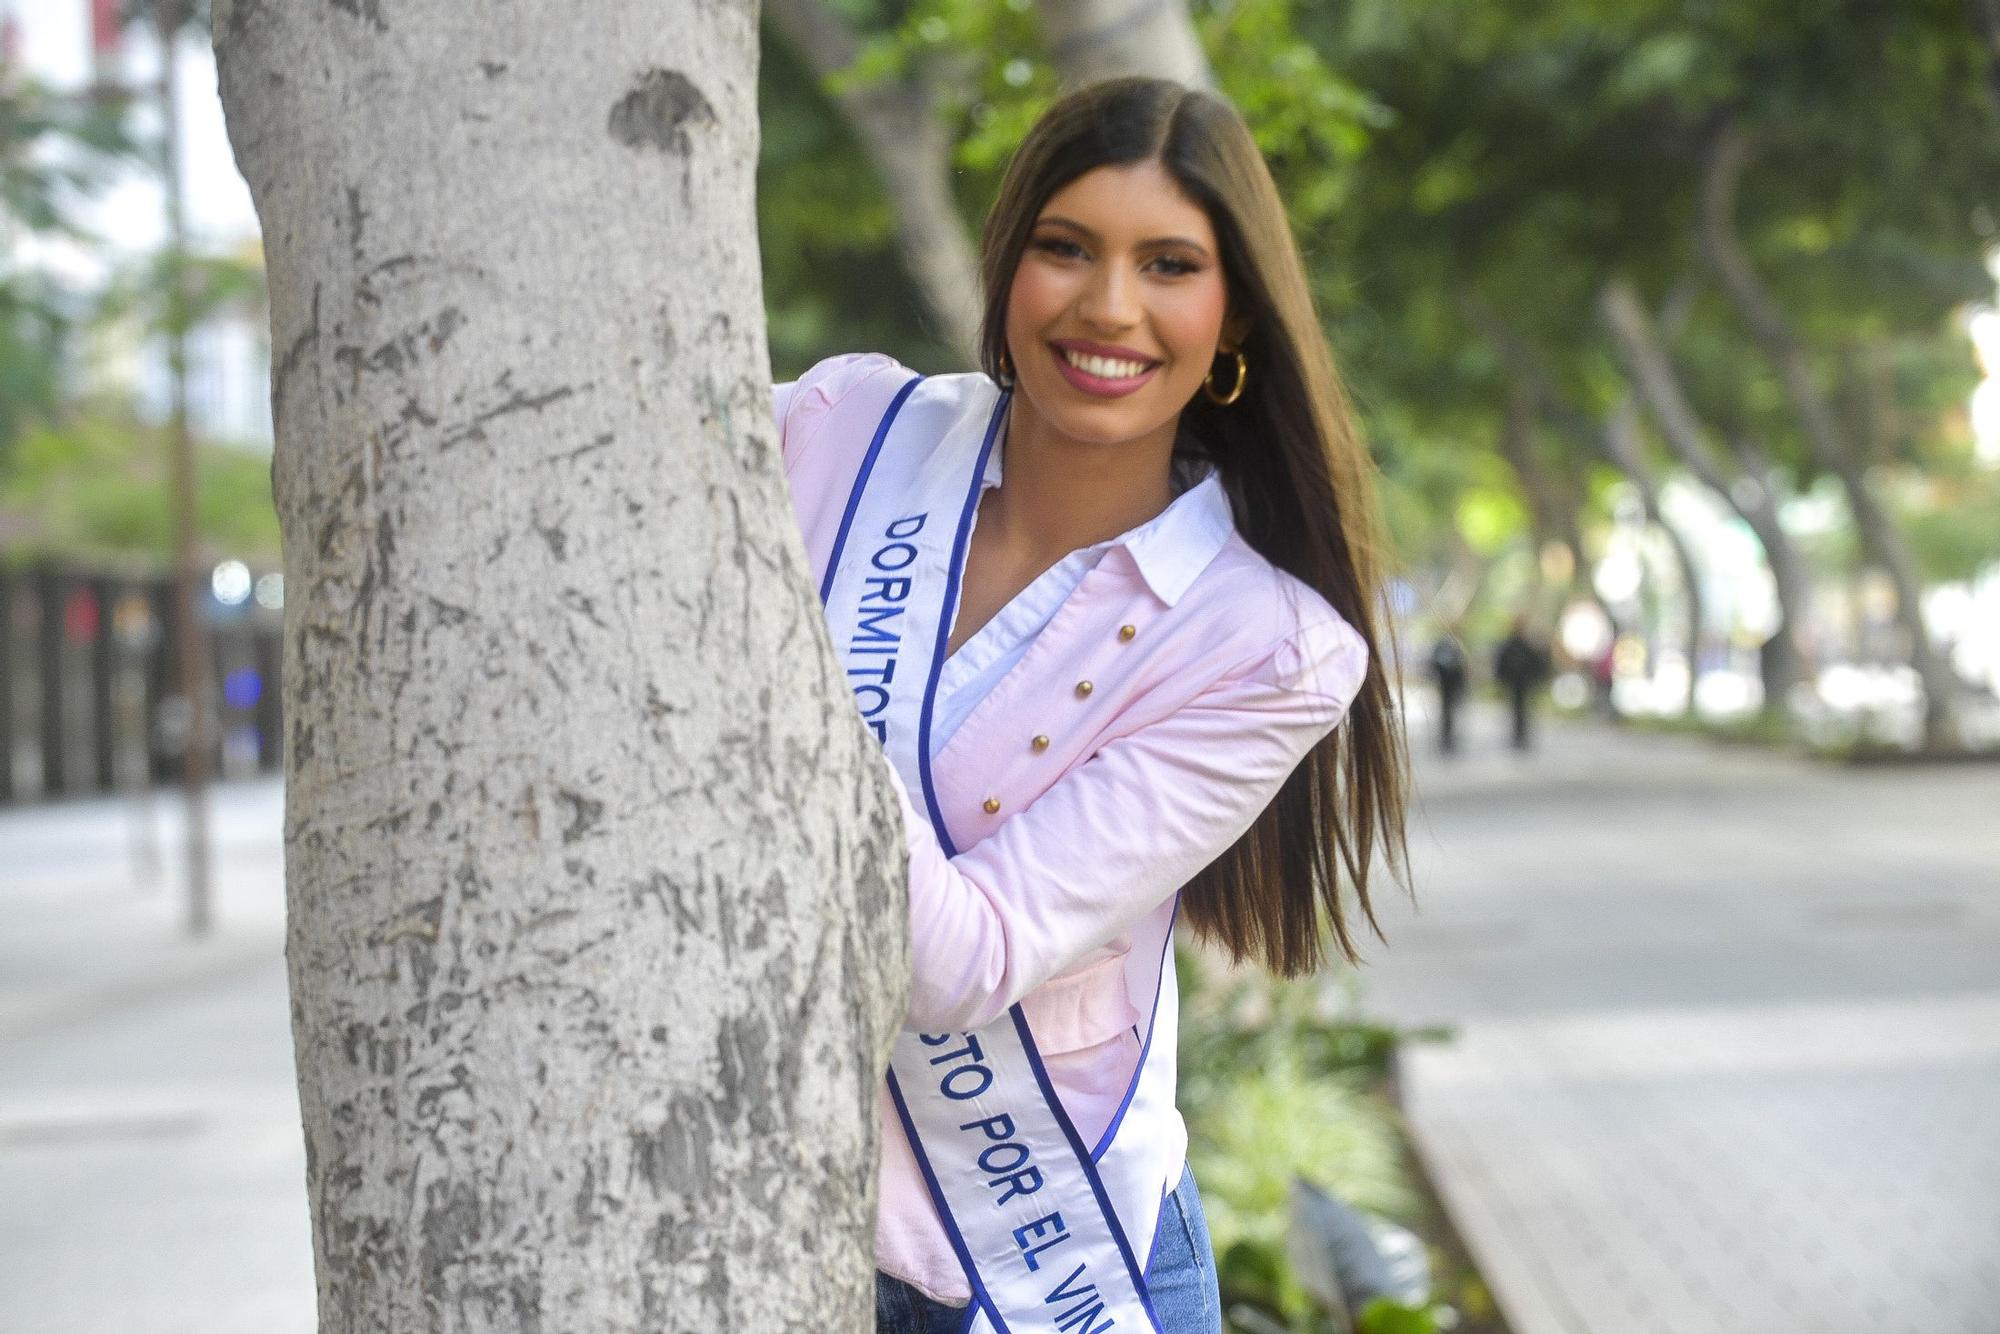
1533,150
1952,518
55,151
1273,1088
34,333
212,285
94,489
832,282
85,479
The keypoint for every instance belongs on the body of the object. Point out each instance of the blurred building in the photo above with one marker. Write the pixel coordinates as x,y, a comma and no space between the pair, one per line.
90,679
67,45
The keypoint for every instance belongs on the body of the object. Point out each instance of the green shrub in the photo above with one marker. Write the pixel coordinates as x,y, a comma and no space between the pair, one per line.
1277,1080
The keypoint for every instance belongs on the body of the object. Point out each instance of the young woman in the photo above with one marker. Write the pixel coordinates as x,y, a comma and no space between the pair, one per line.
1104,604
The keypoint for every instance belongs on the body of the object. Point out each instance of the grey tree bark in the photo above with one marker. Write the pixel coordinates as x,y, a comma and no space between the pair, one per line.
1728,159
596,919
910,146
1090,40
1748,484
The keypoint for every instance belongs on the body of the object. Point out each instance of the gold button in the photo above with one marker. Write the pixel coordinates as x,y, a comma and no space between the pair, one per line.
1041,743
1083,688
993,805
1127,631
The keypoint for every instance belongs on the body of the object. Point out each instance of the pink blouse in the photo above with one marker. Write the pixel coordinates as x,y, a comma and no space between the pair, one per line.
1211,674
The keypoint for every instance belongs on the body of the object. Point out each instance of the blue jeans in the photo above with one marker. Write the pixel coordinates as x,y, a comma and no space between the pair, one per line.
1180,1276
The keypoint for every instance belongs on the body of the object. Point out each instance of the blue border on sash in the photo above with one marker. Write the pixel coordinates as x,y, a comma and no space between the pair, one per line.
1152,1025
861,484
1159,1226
950,609
1084,1161
980,1299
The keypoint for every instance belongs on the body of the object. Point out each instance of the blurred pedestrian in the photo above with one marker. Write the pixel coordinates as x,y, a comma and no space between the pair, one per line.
1604,681
1521,665
1448,671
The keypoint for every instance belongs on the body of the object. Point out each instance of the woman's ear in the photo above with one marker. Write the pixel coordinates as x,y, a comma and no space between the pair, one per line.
1235,328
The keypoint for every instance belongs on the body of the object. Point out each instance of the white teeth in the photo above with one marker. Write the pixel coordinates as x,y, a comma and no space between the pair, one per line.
1104,368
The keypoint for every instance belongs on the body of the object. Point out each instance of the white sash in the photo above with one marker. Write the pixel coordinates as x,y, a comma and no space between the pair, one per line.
1052,1233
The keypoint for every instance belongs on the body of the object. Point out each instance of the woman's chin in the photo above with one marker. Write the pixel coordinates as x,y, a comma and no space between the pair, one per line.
1099,421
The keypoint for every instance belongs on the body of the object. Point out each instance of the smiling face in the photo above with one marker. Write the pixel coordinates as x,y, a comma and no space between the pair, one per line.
1117,306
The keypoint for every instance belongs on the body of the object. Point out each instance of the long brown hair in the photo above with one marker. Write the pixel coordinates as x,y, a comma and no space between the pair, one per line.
1299,478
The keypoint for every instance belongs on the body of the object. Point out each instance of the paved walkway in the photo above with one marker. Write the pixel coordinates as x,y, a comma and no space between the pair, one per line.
1728,1036
152,1175
93,908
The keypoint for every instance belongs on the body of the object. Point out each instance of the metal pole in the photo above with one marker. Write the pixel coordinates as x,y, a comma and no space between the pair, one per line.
51,698
103,681
167,17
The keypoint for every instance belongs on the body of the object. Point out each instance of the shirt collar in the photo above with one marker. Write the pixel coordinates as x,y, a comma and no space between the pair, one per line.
1174,546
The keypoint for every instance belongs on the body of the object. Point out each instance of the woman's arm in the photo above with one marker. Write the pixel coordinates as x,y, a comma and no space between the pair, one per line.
1118,835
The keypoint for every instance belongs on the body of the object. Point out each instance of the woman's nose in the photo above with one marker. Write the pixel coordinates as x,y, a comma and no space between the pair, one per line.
1112,297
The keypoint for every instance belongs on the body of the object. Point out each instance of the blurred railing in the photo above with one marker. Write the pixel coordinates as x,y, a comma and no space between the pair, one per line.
90,699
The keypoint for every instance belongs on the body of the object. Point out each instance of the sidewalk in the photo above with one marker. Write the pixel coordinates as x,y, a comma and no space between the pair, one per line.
152,1173
1727,1035
82,933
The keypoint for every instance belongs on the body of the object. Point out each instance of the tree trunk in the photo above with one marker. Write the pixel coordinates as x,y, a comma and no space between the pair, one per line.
1089,40
197,681
1554,507
1555,499
596,918
1621,444
1517,425
1464,577
1829,442
908,143
1749,485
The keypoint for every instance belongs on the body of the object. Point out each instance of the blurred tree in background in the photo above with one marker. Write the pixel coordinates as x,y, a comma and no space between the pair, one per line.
82,471
1792,202
94,491
1600,274
54,152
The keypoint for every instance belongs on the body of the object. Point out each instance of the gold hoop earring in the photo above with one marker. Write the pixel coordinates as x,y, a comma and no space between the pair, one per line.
1006,380
1236,391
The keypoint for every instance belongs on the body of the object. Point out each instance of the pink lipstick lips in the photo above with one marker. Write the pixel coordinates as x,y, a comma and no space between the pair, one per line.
1097,385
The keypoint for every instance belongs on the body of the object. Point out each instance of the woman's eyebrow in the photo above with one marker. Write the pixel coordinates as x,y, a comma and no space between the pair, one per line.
1074,225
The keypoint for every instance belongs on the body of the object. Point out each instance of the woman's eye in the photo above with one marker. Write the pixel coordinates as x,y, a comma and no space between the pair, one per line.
1171,265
